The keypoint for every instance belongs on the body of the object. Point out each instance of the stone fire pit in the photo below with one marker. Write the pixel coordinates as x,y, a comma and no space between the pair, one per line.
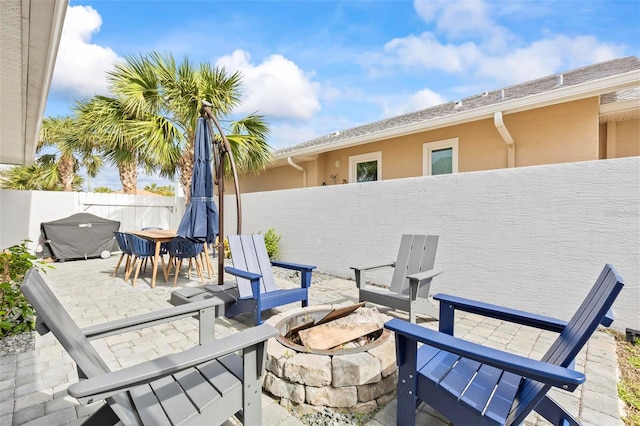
349,378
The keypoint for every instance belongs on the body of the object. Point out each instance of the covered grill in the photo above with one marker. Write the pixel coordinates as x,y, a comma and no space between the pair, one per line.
79,236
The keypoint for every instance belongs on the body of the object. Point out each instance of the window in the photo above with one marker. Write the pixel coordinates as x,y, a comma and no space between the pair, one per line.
439,158
365,167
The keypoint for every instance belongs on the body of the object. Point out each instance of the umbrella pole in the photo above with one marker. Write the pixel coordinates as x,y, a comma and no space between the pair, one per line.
223,152
220,177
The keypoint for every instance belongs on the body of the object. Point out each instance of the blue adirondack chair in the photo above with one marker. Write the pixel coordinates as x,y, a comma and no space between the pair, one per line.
256,284
471,384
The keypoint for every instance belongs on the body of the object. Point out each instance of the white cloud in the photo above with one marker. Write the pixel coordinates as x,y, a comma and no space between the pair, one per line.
496,54
284,135
277,87
456,18
546,57
427,51
81,66
425,98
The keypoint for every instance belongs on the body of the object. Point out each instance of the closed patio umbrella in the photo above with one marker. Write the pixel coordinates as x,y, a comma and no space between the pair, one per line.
200,220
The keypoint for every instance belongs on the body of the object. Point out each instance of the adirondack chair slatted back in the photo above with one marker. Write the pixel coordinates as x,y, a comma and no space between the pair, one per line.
570,342
417,253
55,317
249,253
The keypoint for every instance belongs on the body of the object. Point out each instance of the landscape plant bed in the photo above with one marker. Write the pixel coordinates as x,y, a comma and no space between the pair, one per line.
629,380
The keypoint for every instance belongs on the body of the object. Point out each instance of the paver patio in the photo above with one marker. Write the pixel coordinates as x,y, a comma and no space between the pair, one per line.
33,385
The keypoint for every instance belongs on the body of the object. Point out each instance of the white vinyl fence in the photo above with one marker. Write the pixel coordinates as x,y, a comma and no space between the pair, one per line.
533,238
22,212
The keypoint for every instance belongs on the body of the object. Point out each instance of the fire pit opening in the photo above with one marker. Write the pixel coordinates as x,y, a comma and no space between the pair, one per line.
341,359
346,330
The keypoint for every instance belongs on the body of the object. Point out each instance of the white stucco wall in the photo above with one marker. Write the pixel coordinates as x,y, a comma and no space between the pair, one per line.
22,212
534,238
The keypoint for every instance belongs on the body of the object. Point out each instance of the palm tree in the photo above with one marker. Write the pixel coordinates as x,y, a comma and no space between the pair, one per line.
42,175
169,95
121,136
56,171
167,190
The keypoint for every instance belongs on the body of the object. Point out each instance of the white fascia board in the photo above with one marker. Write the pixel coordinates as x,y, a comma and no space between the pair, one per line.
45,26
621,106
552,97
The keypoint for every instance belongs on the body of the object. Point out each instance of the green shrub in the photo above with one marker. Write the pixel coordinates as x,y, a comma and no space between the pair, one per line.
16,314
272,241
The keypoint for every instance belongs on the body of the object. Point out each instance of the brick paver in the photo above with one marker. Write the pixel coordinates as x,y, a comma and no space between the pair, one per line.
33,385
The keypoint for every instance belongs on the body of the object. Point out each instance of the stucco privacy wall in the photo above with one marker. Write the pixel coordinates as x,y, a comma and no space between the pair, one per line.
535,238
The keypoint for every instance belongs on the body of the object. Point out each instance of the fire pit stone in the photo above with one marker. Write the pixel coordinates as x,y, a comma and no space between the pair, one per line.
356,380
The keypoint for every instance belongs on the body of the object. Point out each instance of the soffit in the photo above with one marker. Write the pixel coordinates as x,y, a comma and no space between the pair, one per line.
29,37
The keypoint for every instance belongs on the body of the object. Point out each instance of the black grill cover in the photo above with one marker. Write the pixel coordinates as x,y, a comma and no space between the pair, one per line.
79,236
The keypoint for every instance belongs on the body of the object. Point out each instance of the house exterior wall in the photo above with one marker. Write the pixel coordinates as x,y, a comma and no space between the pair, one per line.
627,138
285,177
555,134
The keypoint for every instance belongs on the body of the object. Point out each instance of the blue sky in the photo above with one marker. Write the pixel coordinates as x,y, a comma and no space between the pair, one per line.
314,67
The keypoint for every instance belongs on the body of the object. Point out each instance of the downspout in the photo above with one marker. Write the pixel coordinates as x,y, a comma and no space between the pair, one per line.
504,132
304,172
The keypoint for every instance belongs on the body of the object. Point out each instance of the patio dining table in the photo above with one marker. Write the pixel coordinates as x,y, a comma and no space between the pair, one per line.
160,236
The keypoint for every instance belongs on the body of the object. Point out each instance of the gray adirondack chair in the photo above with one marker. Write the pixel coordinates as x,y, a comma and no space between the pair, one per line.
206,384
411,280
477,385
256,283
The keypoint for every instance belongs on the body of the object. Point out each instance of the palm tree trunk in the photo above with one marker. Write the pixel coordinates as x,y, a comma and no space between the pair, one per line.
66,165
128,177
185,164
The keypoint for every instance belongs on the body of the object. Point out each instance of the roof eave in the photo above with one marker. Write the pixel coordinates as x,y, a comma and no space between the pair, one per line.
39,74
552,97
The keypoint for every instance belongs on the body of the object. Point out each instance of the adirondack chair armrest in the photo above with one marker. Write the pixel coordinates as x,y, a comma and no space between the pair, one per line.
419,279
115,382
554,375
293,266
152,318
361,273
449,303
242,274
305,271
253,277
424,275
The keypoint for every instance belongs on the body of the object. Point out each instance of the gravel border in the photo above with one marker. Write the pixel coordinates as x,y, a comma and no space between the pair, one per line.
18,343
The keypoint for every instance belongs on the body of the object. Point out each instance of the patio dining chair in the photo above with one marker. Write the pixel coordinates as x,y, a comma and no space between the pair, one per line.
181,248
123,244
163,246
141,249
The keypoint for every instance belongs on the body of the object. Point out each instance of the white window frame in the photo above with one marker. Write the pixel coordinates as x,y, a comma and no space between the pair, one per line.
354,160
429,147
